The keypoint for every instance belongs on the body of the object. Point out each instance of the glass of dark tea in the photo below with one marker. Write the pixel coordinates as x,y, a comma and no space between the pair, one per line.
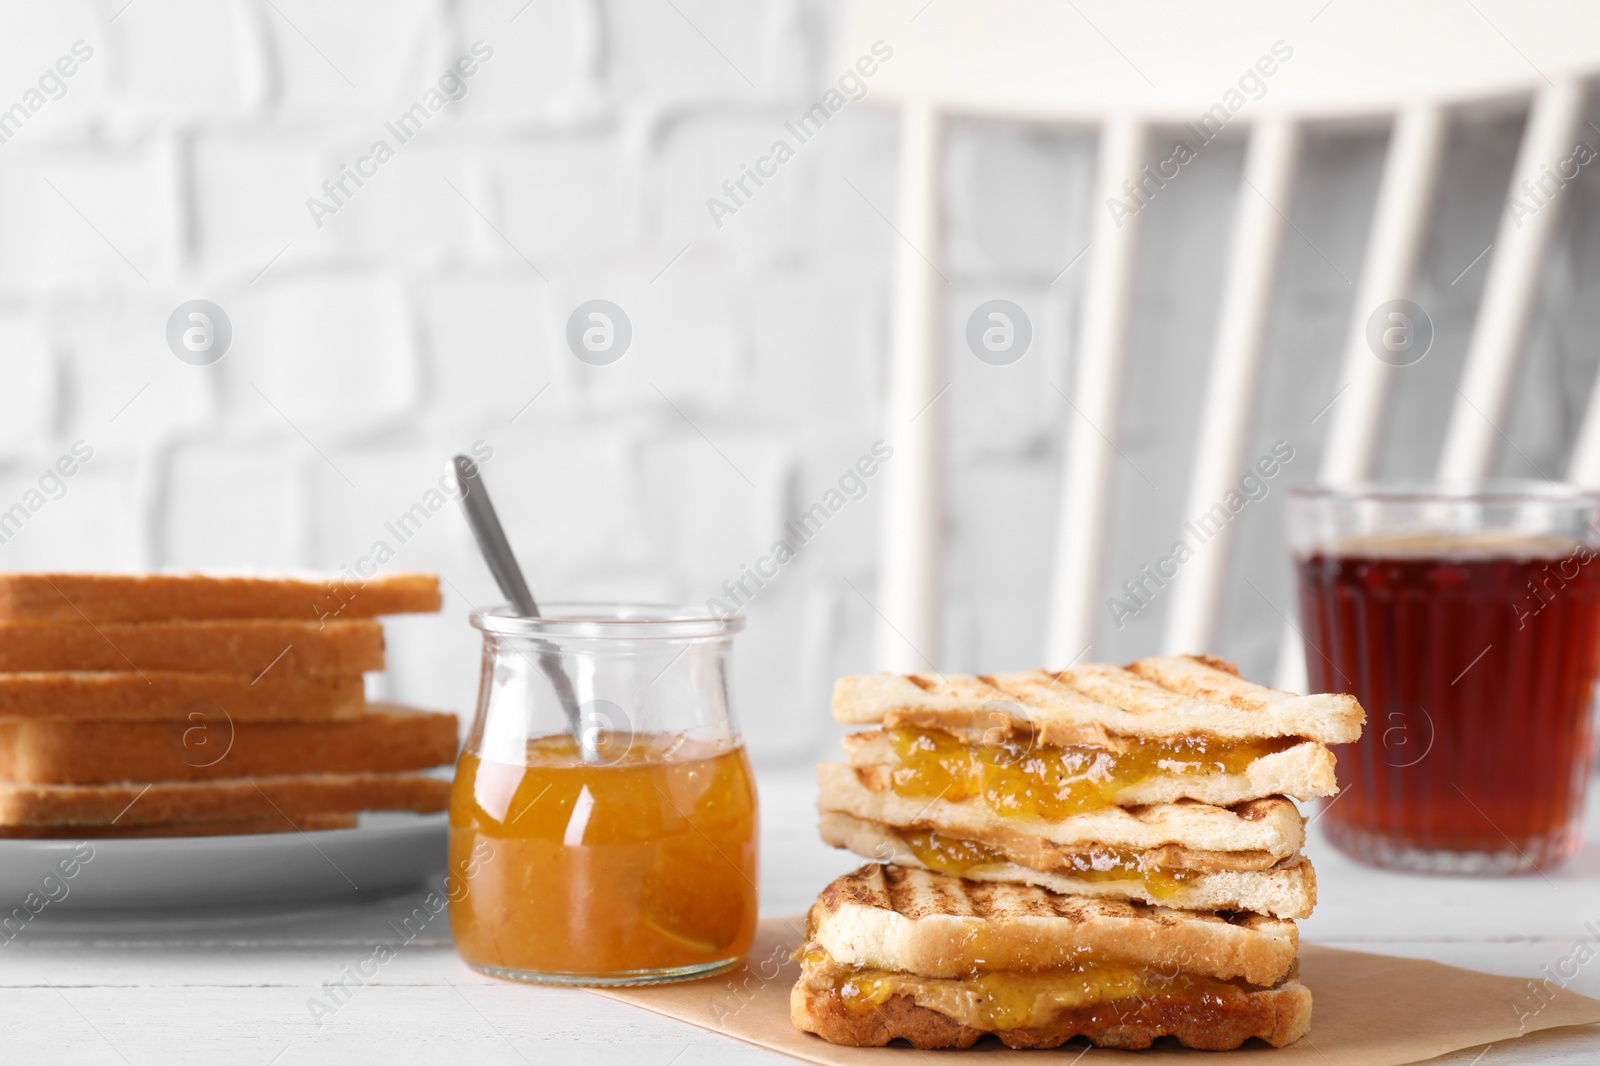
1468,625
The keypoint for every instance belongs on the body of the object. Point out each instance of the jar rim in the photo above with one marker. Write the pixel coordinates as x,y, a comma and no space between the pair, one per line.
629,620
1497,490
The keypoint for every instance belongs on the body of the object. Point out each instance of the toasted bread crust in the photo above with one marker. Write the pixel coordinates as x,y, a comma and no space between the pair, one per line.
1304,771
241,827
326,649
1286,891
1272,824
1158,697
1280,1016
228,800
166,694
386,738
919,921
156,597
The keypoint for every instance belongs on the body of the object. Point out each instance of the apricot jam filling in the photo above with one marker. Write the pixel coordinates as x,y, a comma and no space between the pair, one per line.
1019,780
992,1001
955,855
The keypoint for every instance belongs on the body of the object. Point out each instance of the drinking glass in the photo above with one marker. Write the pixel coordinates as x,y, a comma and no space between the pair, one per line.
1467,622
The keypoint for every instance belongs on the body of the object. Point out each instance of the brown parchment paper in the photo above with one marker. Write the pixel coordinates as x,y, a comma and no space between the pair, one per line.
1367,1010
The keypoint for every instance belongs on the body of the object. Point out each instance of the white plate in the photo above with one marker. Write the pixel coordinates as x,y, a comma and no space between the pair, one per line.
386,852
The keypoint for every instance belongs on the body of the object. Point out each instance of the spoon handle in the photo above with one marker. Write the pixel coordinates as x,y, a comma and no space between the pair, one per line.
491,537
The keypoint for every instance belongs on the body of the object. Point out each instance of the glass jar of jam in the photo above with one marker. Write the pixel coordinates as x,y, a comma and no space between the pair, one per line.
603,818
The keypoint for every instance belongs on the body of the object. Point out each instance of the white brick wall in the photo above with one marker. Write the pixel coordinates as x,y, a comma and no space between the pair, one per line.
430,309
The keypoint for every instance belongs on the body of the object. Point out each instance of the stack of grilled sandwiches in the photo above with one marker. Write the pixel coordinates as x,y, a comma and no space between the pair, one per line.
1102,851
192,705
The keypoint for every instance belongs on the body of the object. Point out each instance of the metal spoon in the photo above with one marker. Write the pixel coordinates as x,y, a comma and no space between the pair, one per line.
496,549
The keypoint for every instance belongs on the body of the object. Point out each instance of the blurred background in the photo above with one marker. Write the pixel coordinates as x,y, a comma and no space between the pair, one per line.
427,309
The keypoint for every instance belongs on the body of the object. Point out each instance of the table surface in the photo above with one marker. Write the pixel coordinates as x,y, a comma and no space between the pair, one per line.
234,985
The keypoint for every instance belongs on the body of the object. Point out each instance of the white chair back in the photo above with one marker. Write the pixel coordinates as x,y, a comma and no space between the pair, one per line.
1133,66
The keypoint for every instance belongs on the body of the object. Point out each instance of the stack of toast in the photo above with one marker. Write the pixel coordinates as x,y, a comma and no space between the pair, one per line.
190,705
1101,851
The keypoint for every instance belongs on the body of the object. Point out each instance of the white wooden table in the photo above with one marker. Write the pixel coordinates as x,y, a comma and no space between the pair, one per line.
233,986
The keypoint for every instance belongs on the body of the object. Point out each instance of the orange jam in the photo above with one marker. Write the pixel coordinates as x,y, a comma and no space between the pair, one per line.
947,854
574,869
1040,781
955,855
1015,1000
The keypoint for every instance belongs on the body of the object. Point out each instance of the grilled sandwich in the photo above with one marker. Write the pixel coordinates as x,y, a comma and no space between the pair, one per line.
1185,854
1173,875
1103,851
1053,744
898,953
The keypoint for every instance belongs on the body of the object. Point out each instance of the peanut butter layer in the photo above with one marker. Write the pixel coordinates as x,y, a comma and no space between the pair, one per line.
329,649
1043,855
386,738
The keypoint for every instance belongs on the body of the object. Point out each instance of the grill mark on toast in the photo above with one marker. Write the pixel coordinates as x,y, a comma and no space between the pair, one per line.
1157,696
1257,810
916,893
1210,682
1126,690
936,925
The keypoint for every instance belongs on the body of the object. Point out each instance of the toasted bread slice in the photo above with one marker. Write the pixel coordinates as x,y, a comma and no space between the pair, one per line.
386,738
166,694
930,924
226,800
241,827
928,1013
1159,697
1271,826
159,597
327,649
1304,771
1288,890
